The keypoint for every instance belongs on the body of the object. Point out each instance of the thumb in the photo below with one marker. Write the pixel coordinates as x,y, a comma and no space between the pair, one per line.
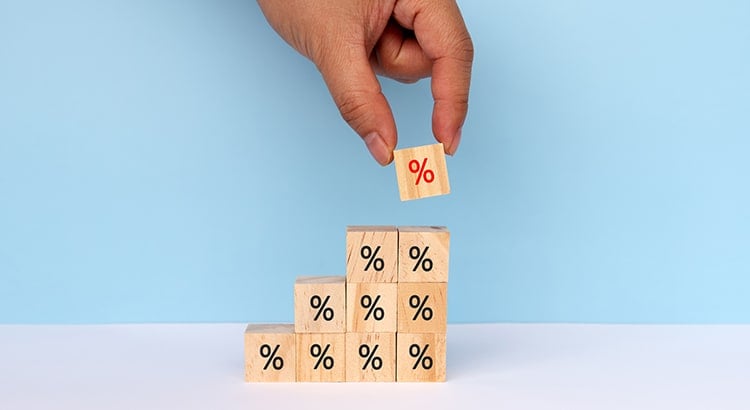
359,97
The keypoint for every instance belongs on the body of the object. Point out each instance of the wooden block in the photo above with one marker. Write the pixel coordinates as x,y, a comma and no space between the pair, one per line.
320,304
321,357
422,307
371,307
423,253
370,357
421,172
371,254
420,357
270,353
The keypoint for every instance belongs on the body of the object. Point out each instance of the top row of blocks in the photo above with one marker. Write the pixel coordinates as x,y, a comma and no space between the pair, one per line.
397,254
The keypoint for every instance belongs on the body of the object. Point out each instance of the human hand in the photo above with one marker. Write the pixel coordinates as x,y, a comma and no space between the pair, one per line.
352,40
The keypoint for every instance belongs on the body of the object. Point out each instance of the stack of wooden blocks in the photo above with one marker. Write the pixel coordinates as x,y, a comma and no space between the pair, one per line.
384,321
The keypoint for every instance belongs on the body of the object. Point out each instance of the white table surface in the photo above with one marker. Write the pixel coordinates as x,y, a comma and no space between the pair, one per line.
501,366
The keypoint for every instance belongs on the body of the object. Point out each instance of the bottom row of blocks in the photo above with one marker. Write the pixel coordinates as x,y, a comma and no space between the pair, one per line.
274,353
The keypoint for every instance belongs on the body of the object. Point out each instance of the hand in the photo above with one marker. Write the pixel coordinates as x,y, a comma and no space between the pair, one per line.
352,40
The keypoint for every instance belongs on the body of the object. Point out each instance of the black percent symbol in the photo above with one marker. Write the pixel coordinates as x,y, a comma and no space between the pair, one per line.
418,304
375,362
321,353
321,305
272,359
372,307
420,255
416,352
372,258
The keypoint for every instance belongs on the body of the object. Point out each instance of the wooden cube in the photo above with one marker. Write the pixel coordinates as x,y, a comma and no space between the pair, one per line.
420,357
320,304
423,253
371,254
421,172
370,357
321,357
270,353
422,307
371,307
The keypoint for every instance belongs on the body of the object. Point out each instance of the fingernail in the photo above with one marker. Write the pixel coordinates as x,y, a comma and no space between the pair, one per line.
378,148
454,144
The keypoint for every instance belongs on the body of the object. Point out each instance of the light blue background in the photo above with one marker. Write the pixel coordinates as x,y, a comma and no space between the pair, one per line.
175,161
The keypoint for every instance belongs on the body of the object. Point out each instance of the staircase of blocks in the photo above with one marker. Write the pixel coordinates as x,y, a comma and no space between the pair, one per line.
385,321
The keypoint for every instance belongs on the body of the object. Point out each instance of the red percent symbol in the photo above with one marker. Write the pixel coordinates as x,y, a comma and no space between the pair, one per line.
421,170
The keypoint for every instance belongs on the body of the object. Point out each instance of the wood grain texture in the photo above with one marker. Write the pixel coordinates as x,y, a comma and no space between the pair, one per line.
428,175
381,244
321,357
423,253
370,357
420,357
371,307
422,307
328,293
270,351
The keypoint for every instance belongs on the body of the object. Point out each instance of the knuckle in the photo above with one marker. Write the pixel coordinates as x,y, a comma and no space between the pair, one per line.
464,48
353,107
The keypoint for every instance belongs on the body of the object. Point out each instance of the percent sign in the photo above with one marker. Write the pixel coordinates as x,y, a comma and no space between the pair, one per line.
321,353
320,305
372,307
427,175
417,303
372,260
420,256
420,354
272,359
375,362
